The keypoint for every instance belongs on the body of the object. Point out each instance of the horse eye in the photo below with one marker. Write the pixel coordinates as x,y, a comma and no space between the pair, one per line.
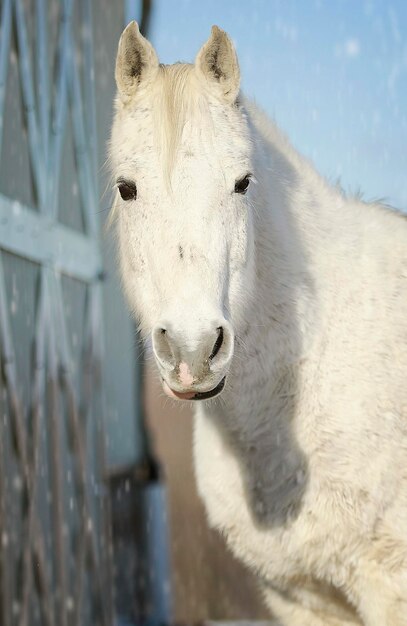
127,190
242,185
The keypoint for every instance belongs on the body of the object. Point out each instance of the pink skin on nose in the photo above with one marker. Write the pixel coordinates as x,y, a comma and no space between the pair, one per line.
185,375
186,379
176,395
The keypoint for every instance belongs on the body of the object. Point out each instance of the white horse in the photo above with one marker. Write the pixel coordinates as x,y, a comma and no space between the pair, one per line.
281,305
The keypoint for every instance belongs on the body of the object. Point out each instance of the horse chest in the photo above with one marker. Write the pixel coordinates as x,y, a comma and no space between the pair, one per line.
276,550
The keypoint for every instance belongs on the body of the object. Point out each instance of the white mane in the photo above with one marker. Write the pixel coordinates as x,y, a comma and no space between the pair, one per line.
176,103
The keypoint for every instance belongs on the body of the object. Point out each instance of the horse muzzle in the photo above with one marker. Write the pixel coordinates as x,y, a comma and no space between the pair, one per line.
193,366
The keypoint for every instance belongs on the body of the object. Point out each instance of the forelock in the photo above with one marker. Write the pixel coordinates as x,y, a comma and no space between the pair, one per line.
178,99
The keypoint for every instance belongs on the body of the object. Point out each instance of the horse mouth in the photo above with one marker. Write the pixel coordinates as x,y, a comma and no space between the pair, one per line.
206,395
199,395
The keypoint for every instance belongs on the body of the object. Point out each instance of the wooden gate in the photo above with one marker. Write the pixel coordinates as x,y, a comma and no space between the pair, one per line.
55,550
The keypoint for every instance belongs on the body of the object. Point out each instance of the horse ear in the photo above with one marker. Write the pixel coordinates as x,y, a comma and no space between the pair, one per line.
217,61
136,60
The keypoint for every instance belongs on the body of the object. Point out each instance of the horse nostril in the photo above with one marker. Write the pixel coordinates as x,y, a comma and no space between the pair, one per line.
218,343
162,347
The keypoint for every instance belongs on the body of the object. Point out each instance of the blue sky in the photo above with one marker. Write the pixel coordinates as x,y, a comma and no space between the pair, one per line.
332,73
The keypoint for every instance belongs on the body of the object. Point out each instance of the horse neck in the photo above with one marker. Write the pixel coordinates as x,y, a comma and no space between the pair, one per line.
290,231
257,409
292,210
